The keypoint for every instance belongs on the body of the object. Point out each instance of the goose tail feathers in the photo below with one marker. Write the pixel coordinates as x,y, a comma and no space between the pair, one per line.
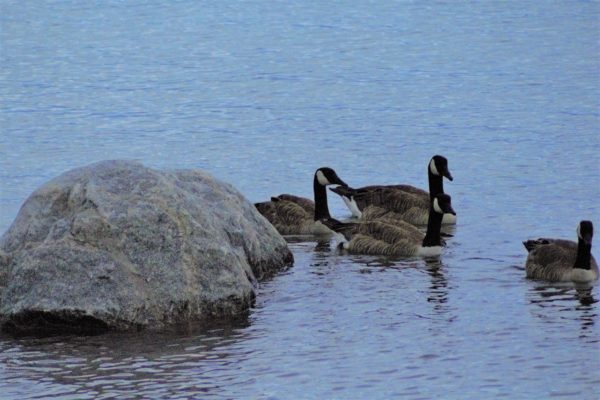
534,243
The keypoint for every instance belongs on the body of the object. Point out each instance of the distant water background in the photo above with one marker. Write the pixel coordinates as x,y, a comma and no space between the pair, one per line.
260,94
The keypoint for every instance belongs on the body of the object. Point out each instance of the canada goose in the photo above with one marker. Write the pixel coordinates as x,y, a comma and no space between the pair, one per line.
402,202
294,215
559,260
402,239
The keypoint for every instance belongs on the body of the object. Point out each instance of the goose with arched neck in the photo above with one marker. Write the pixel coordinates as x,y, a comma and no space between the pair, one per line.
399,202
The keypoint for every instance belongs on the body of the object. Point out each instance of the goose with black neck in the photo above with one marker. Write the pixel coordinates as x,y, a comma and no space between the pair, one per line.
295,215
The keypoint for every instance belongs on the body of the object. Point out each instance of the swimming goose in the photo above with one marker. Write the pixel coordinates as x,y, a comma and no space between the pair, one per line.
294,215
559,260
399,239
399,202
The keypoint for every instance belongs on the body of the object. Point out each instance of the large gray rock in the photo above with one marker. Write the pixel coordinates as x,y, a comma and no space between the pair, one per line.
116,245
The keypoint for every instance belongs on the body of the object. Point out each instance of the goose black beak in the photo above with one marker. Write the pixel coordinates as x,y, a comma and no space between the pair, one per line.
449,210
448,175
340,182
587,239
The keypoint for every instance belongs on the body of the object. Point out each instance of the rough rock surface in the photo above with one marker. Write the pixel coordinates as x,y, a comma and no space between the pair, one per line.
119,246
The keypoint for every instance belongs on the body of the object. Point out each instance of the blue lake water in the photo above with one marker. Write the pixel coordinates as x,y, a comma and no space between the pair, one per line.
260,94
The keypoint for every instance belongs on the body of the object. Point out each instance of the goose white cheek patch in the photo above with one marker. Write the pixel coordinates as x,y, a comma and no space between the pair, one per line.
436,206
322,179
433,168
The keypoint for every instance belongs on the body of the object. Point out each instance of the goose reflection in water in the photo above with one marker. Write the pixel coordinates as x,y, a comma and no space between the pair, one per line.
558,292
555,301
584,294
439,290
439,283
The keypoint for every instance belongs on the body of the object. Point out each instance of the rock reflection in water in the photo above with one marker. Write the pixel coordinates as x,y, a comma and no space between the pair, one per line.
179,362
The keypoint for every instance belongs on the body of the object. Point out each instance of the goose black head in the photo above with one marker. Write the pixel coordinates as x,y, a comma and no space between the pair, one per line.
327,176
439,167
585,232
442,204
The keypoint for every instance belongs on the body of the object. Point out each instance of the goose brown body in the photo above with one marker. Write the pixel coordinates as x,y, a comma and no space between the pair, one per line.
559,260
289,217
379,237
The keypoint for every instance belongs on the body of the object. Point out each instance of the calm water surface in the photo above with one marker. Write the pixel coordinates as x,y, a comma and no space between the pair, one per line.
260,95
